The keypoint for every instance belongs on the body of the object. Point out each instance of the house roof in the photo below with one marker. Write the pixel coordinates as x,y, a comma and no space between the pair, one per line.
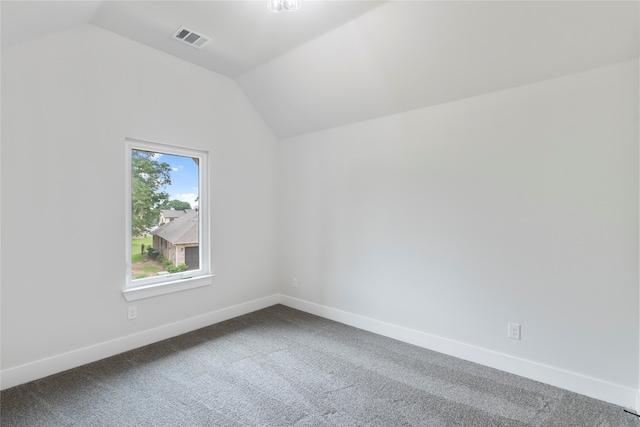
172,213
182,230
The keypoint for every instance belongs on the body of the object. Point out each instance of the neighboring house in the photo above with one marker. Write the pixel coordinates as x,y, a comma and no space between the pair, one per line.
177,239
169,215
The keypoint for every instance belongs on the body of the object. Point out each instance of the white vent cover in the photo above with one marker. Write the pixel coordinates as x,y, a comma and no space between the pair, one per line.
191,38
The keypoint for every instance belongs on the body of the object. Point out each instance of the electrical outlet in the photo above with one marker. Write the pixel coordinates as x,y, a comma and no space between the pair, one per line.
132,312
513,331
294,282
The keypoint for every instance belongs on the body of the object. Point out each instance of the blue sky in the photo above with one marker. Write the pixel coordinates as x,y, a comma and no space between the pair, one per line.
184,178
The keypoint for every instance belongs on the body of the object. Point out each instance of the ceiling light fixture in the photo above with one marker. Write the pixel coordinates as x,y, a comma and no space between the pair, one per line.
280,5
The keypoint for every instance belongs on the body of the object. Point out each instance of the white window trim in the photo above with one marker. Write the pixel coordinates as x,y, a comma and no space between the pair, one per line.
161,285
141,292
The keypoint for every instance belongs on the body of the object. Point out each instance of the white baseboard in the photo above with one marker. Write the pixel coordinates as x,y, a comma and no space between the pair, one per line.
588,386
577,383
42,368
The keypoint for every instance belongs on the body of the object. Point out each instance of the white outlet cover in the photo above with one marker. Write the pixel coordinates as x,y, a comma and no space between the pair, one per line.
513,331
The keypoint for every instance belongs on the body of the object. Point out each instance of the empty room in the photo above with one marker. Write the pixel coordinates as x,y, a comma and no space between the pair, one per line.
320,213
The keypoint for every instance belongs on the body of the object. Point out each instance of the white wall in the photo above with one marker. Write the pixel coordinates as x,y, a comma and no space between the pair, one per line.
520,205
68,102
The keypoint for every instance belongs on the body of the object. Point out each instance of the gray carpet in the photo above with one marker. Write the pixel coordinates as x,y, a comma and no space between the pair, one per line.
283,367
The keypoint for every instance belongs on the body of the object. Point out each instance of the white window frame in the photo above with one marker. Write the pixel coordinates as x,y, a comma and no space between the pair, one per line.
160,285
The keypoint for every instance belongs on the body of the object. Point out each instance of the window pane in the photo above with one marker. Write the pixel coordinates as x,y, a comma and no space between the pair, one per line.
164,214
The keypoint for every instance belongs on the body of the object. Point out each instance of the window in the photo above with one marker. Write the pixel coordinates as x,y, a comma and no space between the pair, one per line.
167,221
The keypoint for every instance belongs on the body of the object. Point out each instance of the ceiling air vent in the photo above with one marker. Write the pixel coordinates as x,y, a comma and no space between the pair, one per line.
191,38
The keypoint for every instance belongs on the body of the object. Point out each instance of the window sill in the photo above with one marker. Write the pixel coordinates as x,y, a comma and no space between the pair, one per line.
133,294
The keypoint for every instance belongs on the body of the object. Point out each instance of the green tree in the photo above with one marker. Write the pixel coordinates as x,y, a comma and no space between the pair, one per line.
149,176
178,205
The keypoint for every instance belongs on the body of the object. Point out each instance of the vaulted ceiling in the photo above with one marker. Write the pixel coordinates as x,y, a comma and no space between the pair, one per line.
333,63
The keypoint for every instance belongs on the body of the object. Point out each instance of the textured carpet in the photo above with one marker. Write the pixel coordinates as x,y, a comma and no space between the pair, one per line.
283,367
